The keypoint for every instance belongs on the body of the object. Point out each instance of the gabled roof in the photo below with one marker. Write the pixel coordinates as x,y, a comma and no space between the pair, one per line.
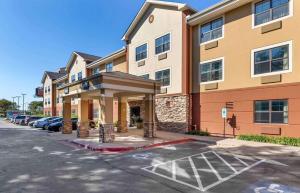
146,5
108,58
215,11
52,75
86,57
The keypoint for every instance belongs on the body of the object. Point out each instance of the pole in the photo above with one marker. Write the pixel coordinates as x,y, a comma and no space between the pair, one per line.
18,97
224,128
23,95
13,106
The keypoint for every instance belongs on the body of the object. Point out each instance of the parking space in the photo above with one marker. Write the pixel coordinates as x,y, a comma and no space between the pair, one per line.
205,170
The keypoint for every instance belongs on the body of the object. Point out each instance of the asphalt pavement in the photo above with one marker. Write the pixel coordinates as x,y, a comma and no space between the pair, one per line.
32,161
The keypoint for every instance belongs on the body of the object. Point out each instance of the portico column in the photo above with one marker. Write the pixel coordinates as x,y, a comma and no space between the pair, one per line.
83,118
106,118
149,126
67,126
122,115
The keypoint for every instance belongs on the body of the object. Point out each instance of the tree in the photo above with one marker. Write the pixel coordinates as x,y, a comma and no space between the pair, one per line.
6,105
36,107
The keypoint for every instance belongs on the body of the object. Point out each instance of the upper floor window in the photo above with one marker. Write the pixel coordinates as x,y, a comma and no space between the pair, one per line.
211,30
162,44
48,88
45,89
79,75
95,71
109,67
268,10
271,111
274,59
73,78
163,76
211,71
145,76
141,52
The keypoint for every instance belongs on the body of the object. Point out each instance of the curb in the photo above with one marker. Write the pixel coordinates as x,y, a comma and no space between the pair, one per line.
126,149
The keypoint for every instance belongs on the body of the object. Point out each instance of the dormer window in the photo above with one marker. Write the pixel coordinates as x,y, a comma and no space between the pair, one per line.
212,30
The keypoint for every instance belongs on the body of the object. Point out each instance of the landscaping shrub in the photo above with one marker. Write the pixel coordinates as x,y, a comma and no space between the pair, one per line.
196,132
269,139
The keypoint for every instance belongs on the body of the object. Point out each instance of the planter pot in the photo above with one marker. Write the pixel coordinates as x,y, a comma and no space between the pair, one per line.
140,125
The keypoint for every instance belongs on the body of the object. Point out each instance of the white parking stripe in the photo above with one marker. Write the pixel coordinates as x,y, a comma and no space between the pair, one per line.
241,161
174,170
211,167
231,176
196,173
232,168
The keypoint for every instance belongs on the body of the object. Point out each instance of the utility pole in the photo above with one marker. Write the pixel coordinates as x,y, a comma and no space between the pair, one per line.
23,95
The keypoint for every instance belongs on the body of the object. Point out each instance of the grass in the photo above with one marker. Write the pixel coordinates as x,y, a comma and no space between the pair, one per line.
199,133
270,139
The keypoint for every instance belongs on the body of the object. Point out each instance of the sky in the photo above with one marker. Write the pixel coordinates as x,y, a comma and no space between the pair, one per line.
39,35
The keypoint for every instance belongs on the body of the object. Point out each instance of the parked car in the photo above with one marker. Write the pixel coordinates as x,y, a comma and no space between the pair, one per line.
19,119
57,126
41,123
12,119
52,121
29,119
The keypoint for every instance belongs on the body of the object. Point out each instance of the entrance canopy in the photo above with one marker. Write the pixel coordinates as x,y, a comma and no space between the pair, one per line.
104,87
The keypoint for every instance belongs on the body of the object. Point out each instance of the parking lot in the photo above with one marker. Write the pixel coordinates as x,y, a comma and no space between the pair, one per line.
34,161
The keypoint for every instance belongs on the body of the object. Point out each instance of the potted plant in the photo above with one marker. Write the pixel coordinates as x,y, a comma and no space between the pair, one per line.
139,123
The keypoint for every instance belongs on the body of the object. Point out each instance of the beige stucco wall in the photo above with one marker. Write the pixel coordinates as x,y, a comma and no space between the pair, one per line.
80,66
166,20
48,82
239,39
119,64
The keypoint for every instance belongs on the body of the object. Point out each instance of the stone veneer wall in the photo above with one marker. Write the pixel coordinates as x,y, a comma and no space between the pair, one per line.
172,113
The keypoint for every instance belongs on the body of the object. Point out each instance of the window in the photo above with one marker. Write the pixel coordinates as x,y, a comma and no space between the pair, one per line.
163,76
95,71
212,30
211,71
73,78
268,10
141,52
271,111
145,76
48,101
162,44
109,67
45,89
48,88
79,75
272,60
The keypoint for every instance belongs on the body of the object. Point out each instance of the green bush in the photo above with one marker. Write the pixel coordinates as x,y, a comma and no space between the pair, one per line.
269,139
196,132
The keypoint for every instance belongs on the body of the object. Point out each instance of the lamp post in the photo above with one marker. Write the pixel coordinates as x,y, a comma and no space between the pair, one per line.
23,95
13,106
18,97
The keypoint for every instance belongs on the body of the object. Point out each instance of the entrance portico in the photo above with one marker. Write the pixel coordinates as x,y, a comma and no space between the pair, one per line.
105,87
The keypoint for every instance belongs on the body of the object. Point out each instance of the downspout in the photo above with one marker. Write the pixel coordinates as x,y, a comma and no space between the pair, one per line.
153,109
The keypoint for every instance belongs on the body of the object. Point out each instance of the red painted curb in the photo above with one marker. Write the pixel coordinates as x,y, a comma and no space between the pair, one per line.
125,149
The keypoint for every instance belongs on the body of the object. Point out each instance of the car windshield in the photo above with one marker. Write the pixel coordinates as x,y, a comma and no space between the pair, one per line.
56,119
43,119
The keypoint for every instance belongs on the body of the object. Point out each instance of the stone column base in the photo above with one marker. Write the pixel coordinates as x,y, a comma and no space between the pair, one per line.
67,127
150,129
122,127
83,130
106,133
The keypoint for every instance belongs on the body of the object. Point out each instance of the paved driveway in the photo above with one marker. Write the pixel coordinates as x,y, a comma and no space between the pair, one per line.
32,161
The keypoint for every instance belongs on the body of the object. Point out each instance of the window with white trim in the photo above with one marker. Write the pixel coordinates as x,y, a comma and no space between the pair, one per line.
272,60
79,75
145,76
73,78
141,52
162,44
211,30
271,111
211,71
269,10
95,71
163,76
109,67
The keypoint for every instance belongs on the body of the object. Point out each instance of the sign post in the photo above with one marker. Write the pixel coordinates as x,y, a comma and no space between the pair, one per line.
224,116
